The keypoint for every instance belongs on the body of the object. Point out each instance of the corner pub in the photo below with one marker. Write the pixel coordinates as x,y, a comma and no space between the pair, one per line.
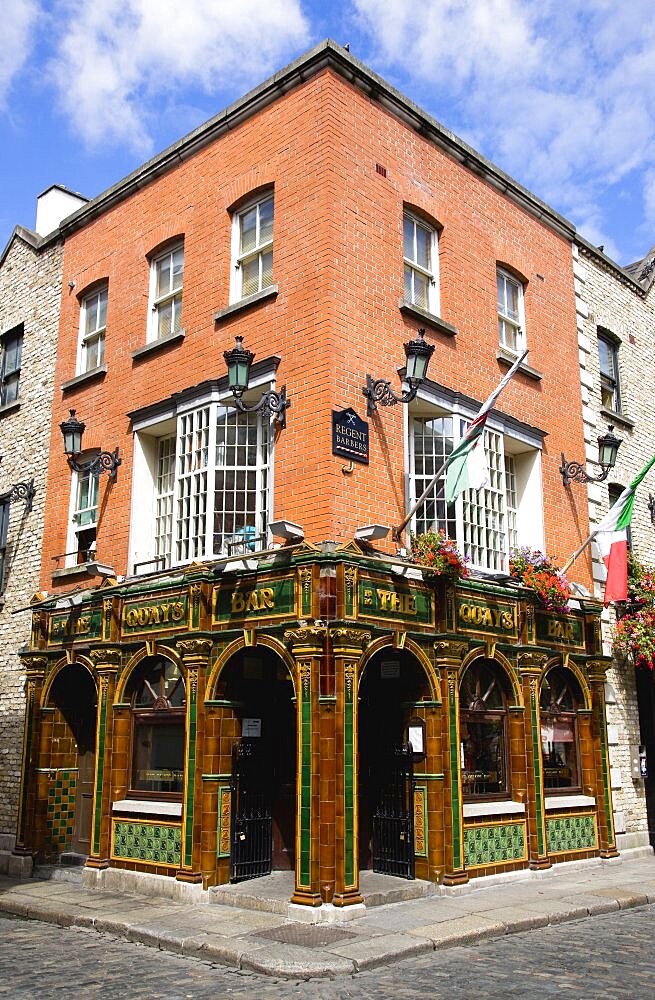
327,713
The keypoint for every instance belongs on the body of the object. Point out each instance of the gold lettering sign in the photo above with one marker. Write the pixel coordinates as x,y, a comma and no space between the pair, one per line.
153,615
244,601
560,629
71,626
481,616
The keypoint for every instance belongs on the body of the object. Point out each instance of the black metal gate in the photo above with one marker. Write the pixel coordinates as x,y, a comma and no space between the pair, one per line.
393,815
251,827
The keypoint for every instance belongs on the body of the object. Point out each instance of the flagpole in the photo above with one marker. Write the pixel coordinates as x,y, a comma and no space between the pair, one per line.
569,562
397,531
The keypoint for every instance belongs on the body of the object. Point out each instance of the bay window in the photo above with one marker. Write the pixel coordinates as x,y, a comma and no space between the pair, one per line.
206,473
488,523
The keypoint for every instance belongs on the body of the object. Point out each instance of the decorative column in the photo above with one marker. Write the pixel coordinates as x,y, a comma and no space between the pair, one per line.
107,664
347,645
308,646
449,655
35,667
530,666
604,806
195,656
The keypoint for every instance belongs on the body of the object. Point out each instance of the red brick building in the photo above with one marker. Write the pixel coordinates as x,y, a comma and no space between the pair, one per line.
323,219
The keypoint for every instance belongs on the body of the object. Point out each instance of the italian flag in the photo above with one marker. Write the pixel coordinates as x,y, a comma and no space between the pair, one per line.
467,464
612,538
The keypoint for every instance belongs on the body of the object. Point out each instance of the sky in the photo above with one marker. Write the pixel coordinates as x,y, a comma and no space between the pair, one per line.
560,94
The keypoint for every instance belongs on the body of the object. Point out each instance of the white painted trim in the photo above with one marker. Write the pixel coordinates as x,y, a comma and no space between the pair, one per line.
474,809
553,802
145,807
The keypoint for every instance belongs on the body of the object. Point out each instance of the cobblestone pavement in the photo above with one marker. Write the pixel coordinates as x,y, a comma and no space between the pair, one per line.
609,956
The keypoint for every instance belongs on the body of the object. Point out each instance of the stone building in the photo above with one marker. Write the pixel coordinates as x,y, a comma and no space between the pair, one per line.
233,664
616,317
30,291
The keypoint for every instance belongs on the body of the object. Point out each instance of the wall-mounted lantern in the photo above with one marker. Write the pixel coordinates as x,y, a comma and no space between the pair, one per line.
238,362
73,432
379,390
608,446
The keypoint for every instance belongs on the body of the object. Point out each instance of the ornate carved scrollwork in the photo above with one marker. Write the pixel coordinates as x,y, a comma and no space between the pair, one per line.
349,638
307,635
450,650
105,657
531,660
195,647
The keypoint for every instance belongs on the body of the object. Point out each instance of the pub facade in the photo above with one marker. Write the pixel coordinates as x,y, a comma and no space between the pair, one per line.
321,714
234,667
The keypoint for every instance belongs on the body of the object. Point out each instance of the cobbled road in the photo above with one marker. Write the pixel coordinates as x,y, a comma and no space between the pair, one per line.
609,956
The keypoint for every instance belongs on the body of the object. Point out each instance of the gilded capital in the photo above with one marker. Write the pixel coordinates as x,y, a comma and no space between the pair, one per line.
195,647
308,637
35,664
531,661
449,651
597,670
349,639
105,658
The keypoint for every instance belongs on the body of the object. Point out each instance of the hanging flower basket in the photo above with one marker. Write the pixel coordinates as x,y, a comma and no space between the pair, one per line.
634,631
438,554
538,572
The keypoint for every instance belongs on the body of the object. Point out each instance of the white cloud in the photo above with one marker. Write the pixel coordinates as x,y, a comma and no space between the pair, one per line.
120,63
562,96
18,20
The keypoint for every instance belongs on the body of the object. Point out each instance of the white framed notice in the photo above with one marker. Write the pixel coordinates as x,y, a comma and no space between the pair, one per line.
251,727
415,736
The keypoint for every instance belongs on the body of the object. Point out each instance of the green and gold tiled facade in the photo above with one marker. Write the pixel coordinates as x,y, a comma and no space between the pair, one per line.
571,833
60,818
364,612
489,844
147,841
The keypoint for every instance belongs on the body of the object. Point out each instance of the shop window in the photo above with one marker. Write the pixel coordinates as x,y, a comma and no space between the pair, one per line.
483,731
559,701
166,277
421,261
608,358
252,247
486,523
511,313
93,324
157,694
11,350
203,487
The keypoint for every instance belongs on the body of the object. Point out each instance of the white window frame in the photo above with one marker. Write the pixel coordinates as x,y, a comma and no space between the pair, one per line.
410,263
525,525
96,336
255,253
194,494
172,296
74,526
517,325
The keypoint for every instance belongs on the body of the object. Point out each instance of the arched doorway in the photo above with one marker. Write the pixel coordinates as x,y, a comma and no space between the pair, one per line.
262,726
392,684
72,701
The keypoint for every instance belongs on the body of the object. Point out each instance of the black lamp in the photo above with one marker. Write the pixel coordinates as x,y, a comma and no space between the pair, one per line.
379,390
608,446
238,362
106,461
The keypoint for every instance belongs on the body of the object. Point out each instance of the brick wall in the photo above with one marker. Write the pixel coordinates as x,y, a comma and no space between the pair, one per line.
338,264
30,288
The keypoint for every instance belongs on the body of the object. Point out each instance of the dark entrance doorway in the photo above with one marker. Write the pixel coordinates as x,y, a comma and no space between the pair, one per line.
74,698
646,703
263,765
392,684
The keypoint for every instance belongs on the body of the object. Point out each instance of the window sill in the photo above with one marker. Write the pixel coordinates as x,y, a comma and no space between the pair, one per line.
91,376
617,418
502,808
147,807
552,802
158,345
86,569
250,300
508,358
9,408
435,322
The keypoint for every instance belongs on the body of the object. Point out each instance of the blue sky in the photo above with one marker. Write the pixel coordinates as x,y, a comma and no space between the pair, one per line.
559,95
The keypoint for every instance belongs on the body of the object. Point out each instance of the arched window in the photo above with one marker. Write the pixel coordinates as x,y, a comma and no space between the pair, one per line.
559,702
158,696
483,731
